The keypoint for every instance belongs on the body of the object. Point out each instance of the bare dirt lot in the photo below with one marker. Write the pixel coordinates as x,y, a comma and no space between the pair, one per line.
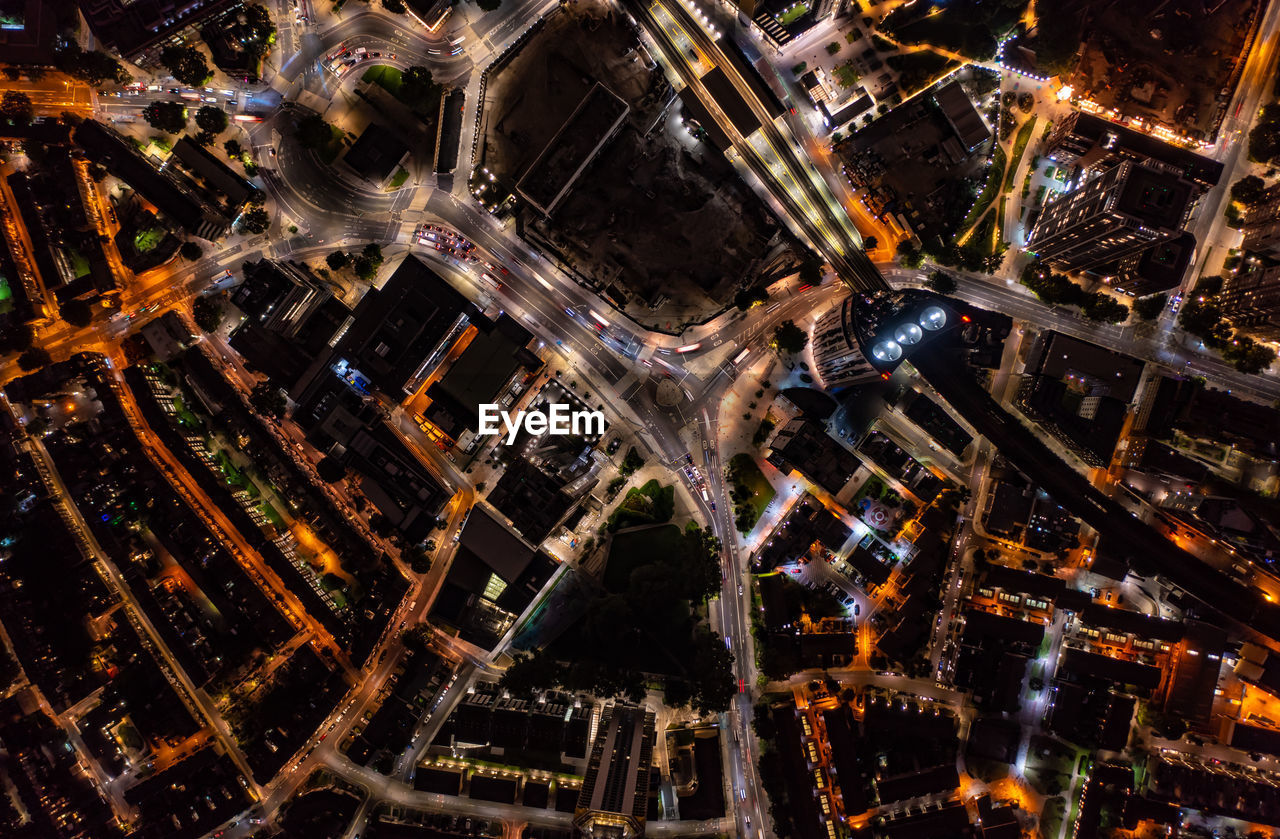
659,222
1166,61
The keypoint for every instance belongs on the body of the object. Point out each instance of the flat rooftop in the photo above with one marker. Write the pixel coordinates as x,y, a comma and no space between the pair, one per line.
574,146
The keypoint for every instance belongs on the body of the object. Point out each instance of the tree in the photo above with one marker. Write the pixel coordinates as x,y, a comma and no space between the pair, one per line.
207,312
169,117
789,338
93,67
1103,308
748,297
34,358
211,119
364,267
417,88
16,108
372,252
337,260
396,7
187,65
870,243
233,147
1248,355
941,282
909,255
632,462
77,313
1248,190
261,30
1150,307
489,5
330,469
16,337
1202,317
810,272
268,400
313,132
254,220
191,251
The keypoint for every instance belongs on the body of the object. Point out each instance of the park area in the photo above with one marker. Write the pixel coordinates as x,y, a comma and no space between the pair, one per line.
749,489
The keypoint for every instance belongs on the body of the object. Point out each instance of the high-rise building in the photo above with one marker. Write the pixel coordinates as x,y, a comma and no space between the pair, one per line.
1122,210
836,354
1251,299
1262,223
1092,142
615,794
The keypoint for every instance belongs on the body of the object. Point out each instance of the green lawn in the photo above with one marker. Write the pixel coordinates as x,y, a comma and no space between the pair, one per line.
1051,817
398,179
743,470
845,75
629,551
272,514
79,264
1019,146
330,152
146,240
387,78
793,13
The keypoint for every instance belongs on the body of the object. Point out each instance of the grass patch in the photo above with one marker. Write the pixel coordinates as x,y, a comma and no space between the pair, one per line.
744,471
793,13
387,78
845,75
648,504
629,551
995,177
146,240
398,179
1019,146
79,264
1051,817
272,514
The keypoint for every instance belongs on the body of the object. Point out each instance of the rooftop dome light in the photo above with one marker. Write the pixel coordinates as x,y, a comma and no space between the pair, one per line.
908,333
933,318
887,351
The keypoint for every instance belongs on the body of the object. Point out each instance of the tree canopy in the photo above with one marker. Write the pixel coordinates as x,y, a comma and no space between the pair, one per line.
211,119
255,220
417,88
187,65
313,132
169,117
941,282
1150,307
789,338
16,108
1248,190
92,66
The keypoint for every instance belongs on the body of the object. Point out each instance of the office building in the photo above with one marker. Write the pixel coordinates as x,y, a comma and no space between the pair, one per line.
1092,142
1262,223
1251,300
139,29
615,794
836,354
174,196
1118,212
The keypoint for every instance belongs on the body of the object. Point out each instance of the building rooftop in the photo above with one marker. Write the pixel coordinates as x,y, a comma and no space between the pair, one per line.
399,327
963,118
376,154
